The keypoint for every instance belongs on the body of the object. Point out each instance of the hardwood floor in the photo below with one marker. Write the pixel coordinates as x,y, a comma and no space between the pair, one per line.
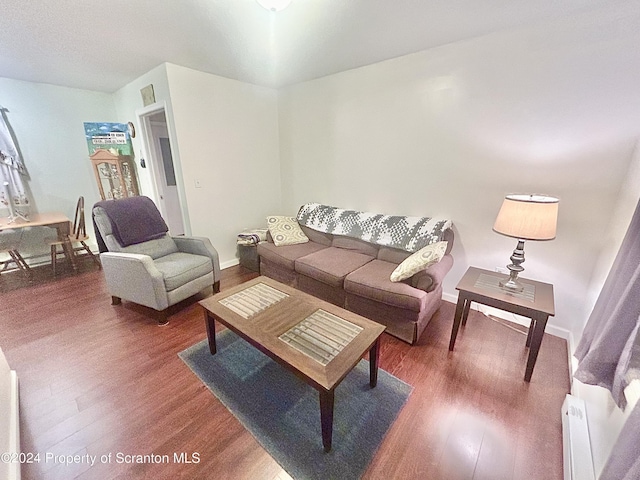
97,379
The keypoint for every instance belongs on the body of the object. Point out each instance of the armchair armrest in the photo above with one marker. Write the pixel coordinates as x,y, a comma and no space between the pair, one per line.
200,246
430,278
134,277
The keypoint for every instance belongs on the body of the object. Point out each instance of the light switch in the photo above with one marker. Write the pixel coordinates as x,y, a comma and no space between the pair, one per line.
198,184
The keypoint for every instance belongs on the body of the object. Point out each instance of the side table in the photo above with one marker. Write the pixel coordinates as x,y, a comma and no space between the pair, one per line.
535,302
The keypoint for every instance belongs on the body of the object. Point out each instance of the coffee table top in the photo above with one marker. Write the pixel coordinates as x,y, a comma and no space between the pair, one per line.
319,340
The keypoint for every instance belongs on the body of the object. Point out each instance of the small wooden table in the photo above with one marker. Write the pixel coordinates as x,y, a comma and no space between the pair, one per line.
319,342
536,303
56,220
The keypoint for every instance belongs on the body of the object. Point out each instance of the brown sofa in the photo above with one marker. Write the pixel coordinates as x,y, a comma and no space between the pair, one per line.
354,274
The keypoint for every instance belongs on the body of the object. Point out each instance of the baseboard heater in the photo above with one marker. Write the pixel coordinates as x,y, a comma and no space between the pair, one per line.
578,457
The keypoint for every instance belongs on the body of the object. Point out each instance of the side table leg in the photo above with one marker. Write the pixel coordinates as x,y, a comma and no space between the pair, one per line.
456,320
211,331
532,327
536,340
374,357
465,312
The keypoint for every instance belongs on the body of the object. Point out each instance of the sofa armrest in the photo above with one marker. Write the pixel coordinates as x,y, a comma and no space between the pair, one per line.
134,277
430,278
200,246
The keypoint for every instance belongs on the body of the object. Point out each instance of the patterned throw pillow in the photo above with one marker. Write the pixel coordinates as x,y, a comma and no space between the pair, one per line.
420,260
285,231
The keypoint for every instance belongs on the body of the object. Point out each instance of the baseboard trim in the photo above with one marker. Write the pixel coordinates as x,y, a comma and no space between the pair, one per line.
230,263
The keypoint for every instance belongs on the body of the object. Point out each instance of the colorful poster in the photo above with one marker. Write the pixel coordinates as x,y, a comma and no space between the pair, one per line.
108,136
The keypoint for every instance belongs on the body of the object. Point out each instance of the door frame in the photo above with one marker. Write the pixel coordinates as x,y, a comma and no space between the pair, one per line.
148,150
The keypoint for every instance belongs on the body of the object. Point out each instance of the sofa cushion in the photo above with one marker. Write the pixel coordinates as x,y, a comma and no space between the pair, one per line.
318,237
372,281
393,255
285,256
285,231
331,265
355,244
420,260
179,268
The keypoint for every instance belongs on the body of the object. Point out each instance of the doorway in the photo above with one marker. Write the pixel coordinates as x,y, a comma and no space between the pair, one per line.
161,166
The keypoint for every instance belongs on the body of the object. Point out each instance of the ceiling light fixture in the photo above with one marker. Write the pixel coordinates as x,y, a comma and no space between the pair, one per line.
274,5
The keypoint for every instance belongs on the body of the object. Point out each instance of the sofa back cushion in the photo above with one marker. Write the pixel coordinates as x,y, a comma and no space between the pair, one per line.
317,237
393,255
357,245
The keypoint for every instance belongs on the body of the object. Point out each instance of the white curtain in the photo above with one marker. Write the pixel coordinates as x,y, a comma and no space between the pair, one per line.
13,194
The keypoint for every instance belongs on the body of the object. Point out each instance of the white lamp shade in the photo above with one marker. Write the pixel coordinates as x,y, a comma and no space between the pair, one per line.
528,217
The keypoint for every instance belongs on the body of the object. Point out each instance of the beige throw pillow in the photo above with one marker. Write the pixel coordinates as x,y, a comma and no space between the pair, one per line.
285,231
420,260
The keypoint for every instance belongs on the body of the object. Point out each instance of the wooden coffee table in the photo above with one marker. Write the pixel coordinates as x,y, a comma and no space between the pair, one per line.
319,342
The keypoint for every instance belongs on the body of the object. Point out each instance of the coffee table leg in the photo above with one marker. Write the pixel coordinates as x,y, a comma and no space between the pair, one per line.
211,331
456,319
374,357
326,418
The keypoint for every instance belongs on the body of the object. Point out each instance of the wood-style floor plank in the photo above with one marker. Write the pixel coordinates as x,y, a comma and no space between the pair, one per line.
98,379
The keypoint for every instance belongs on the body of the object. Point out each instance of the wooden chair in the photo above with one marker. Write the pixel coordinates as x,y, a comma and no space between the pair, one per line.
79,236
9,244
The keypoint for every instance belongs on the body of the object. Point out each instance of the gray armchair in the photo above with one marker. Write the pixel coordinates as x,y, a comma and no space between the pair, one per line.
143,264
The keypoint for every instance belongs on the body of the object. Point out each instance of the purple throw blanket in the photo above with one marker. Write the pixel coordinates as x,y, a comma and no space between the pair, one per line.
134,219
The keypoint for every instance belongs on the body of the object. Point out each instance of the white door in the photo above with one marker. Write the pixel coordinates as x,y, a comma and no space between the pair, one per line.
166,176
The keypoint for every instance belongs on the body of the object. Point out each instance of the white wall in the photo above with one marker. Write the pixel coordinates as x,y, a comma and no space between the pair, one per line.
48,125
227,132
127,101
552,109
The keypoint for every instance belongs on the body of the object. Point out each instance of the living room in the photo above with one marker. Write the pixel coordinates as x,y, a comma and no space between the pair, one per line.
550,106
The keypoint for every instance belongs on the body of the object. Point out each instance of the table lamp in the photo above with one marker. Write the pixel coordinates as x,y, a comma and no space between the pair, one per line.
525,217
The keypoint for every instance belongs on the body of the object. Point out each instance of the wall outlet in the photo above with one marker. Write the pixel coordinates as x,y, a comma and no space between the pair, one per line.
502,270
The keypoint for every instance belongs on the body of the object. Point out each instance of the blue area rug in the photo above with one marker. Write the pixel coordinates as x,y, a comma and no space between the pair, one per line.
283,413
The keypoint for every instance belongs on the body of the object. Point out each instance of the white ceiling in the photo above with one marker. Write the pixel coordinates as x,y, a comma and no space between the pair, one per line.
105,45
